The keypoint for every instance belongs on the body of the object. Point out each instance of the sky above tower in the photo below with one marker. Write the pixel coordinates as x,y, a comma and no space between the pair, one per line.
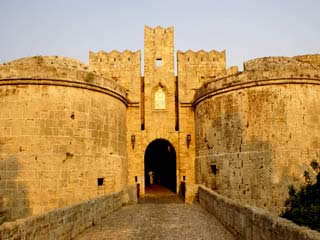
247,29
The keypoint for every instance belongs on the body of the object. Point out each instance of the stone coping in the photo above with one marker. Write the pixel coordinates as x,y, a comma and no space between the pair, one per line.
58,71
68,222
264,71
251,223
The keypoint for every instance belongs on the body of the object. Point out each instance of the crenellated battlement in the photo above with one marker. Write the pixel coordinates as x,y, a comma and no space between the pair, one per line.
115,58
213,57
122,67
71,131
158,31
158,46
198,67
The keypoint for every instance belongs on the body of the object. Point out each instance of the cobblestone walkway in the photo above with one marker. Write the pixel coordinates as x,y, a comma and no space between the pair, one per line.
149,220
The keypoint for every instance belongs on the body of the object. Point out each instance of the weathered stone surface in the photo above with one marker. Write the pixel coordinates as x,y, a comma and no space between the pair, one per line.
58,135
68,222
69,132
259,129
250,223
197,68
158,221
68,71
191,193
123,68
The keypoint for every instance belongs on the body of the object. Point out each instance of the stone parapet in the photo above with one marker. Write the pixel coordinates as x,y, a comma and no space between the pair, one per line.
61,71
123,68
271,63
251,223
196,68
68,222
212,59
264,71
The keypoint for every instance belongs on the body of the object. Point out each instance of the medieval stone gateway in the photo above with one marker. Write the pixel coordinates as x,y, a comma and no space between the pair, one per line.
71,132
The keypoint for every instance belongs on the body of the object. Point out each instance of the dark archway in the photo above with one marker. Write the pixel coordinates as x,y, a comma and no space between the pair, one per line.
160,160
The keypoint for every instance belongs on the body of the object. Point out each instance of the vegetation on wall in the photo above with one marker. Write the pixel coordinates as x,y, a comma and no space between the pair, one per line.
39,59
303,205
89,78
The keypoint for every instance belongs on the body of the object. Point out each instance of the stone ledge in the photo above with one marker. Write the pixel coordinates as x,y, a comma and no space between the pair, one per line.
109,90
68,222
251,223
208,92
55,69
262,72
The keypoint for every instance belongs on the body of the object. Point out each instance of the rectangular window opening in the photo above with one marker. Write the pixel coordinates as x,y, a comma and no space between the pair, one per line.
159,62
100,181
214,169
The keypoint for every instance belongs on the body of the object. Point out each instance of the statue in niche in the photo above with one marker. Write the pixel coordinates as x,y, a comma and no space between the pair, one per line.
160,99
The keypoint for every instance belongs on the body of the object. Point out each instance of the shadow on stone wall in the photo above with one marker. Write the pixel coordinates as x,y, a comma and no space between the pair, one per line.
14,201
238,163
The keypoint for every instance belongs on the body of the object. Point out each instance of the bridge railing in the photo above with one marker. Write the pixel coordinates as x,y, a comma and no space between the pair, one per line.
68,222
251,223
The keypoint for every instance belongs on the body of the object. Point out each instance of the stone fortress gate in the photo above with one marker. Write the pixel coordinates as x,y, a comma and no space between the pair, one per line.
70,132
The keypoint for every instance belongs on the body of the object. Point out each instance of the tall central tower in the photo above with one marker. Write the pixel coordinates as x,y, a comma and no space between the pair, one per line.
160,129
159,106
159,81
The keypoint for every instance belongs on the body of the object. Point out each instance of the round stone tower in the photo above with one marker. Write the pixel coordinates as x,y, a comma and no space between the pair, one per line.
257,131
62,135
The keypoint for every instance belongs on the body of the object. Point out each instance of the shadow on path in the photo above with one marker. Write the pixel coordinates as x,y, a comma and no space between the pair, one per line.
158,221
159,195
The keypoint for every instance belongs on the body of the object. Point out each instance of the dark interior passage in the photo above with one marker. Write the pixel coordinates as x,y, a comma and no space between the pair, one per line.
160,164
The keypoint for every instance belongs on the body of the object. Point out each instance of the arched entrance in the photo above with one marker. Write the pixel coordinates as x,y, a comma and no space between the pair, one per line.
160,164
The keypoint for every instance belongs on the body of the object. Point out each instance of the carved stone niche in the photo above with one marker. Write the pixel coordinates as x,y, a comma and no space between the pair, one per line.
160,99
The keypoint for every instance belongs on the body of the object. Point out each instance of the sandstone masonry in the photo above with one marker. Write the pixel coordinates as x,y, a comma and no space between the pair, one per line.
257,131
71,132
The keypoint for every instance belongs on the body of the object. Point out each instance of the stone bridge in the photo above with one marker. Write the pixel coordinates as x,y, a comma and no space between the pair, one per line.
205,215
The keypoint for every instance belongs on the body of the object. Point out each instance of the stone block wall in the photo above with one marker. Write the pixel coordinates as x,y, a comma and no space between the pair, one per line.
258,131
250,223
195,68
125,69
191,193
121,67
62,135
158,46
67,222
187,151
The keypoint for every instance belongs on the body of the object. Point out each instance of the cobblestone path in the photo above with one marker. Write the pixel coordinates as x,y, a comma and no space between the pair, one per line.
150,220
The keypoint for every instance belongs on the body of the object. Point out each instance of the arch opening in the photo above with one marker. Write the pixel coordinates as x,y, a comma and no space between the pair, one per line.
160,165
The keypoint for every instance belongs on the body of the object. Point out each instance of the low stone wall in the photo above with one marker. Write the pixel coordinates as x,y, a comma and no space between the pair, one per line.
249,223
68,222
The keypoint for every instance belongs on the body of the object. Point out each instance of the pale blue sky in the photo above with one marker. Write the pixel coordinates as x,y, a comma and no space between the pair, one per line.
246,29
